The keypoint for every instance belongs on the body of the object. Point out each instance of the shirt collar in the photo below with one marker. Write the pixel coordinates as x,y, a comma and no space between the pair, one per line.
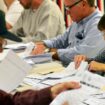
44,2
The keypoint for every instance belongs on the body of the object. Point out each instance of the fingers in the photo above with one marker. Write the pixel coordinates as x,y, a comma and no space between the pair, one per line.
78,59
93,66
65,103
55,90
39,49
73,85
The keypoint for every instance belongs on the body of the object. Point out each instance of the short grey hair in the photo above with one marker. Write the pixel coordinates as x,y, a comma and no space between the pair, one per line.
91,3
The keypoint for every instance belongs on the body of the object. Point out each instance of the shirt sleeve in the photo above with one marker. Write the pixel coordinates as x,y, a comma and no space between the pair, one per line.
90,45
61,41
18,27
29,97
13,13
100,57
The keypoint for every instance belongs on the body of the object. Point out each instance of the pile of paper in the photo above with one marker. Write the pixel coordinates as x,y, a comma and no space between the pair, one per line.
12,70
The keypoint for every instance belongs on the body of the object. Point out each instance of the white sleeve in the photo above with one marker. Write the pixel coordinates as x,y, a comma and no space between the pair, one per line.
14,12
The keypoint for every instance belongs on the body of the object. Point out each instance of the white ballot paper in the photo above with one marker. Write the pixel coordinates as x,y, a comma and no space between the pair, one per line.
90,84
12,70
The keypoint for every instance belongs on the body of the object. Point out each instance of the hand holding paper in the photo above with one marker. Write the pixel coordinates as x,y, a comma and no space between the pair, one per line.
78,59
39,49
55,90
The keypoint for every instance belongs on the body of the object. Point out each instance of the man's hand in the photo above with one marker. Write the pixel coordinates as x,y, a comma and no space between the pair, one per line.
39,49
96,66
55,90
53,51
78,59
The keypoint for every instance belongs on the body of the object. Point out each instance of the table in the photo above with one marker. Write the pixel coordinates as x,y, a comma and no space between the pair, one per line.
42,69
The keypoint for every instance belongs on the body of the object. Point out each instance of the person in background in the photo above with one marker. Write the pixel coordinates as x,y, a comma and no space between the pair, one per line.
41,19
14,10
82,37
96,64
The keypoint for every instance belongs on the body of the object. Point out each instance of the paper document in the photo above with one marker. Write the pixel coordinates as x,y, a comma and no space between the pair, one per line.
68,74
30,46
40,58
12,70
71,67
90,82
91,79
74,97
18,46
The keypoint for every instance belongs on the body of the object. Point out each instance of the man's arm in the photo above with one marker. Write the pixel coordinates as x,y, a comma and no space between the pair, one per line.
32,97
18,27
97,66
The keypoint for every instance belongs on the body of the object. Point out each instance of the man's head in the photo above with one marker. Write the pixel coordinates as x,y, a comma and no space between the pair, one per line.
101,25
34,4
79,9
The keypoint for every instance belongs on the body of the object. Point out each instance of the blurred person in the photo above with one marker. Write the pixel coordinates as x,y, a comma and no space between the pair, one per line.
41,19
36,97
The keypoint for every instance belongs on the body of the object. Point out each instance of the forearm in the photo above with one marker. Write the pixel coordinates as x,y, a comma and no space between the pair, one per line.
61,41
102,67
29,97
32,97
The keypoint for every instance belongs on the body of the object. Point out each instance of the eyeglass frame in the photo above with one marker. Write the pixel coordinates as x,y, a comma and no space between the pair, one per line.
69,7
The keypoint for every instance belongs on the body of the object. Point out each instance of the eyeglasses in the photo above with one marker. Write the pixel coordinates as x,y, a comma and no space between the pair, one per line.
69,7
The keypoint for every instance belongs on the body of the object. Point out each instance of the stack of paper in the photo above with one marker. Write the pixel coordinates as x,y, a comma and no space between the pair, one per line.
40,58
87,94
18,46
12,70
